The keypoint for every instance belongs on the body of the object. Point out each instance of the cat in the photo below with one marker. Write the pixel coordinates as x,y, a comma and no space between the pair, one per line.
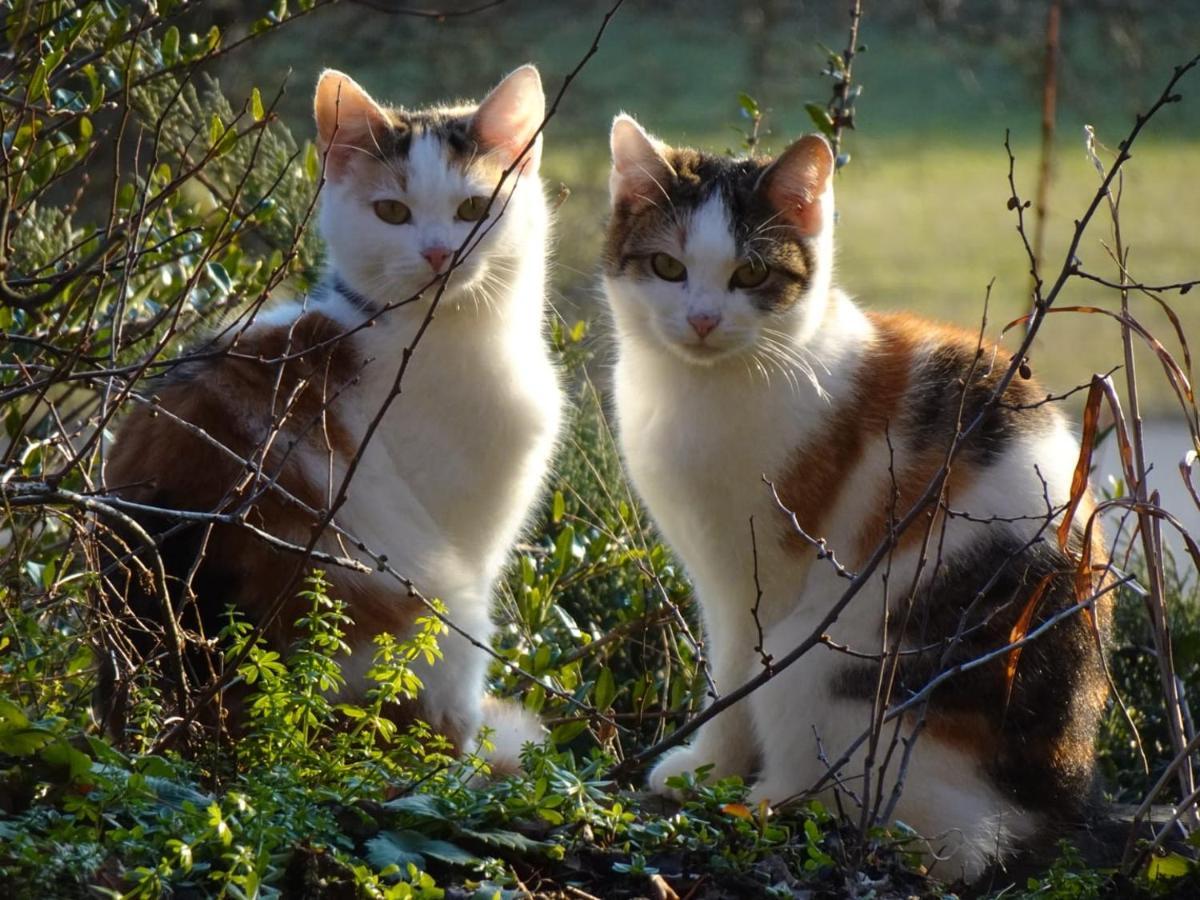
446,483
739,360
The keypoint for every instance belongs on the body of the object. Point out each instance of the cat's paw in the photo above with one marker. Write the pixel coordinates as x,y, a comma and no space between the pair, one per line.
512,727
680,761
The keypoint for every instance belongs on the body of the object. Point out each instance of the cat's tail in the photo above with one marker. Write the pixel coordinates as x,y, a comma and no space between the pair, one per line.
512,727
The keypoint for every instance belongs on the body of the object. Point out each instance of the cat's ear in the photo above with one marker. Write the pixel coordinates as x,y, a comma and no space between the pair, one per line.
348,120
799,184
510,116
640,168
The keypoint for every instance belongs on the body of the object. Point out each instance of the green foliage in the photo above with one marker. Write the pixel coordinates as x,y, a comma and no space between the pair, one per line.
1136,674
1067,879
598,607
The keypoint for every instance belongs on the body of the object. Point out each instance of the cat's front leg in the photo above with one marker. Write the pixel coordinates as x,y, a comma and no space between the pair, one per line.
454,692
726,743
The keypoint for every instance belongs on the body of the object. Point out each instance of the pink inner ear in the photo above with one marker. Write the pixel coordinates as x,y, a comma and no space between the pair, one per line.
798,180
351,139
639,173
797,208
509,117
348,121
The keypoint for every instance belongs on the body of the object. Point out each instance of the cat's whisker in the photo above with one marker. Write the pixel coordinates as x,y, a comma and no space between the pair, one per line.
766,222
785,366
789,355
789,342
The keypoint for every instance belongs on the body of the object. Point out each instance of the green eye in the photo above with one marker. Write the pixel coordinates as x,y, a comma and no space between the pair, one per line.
668,268
472,209
392,211
749,274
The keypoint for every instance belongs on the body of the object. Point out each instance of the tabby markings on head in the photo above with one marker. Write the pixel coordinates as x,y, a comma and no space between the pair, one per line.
695,181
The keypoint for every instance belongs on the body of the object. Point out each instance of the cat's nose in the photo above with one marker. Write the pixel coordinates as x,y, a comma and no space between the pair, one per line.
436,257
704,323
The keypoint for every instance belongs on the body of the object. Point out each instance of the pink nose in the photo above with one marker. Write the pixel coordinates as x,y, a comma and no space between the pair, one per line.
704,323
436,257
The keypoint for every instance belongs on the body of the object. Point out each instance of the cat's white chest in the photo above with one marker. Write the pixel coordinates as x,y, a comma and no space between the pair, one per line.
701,457
472,430
462,450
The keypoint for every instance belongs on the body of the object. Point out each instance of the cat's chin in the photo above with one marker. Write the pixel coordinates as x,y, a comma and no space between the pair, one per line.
701,354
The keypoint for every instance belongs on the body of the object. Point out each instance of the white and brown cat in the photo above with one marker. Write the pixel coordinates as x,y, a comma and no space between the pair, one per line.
739,359
449,478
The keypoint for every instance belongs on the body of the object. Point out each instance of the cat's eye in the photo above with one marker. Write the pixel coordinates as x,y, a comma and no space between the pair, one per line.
472,209
668,268
749,274
392,211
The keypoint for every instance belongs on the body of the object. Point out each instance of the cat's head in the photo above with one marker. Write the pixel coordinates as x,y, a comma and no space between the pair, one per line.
714,258
404,189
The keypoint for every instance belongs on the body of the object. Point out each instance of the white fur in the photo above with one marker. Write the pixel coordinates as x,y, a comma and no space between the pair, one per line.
698,435
448,479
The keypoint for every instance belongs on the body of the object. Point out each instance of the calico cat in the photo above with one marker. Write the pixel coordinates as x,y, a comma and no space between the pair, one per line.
739,361
447,480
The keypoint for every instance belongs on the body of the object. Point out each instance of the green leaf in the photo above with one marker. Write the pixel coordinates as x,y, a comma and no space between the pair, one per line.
563,545
227,142
424,806
1172,866
256,105
749,105
117,31
12,715
37,83
606,690
170,45
24,741
820,117
312,162
560,507
503,839
404,847
567,732
63,754
219,276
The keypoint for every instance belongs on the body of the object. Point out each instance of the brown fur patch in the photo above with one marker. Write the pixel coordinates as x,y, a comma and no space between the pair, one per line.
1034,732
819,472
270,399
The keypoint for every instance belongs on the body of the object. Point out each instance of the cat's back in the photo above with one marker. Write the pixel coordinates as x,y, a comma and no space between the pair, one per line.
266,396
926,386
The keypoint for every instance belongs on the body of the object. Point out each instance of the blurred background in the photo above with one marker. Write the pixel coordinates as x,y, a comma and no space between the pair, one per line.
923,222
